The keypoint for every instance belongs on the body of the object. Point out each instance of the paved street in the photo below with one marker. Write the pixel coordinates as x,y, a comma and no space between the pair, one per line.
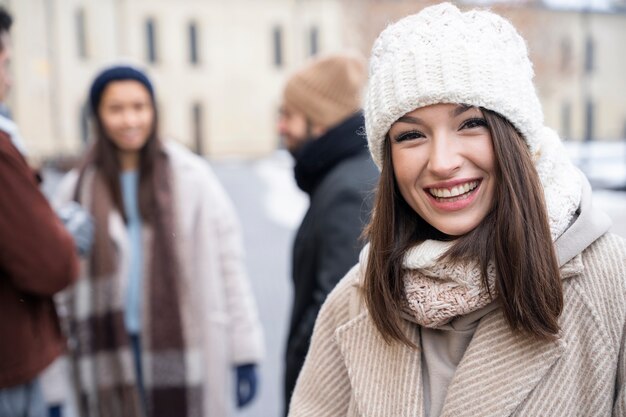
270,208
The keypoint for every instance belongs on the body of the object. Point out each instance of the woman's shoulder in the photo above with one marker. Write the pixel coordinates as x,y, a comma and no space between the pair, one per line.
345,301
187,166
602,281
605,260
180,156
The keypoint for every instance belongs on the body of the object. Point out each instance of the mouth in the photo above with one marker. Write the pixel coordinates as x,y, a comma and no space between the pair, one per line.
131,134
458,192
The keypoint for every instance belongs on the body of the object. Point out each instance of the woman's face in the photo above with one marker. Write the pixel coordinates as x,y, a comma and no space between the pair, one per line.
444,165
127,114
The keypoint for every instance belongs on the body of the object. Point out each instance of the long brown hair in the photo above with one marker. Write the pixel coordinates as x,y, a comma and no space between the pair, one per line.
515,235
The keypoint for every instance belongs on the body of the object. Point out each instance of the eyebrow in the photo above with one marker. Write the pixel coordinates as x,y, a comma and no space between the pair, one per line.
410,119
460,109
455,112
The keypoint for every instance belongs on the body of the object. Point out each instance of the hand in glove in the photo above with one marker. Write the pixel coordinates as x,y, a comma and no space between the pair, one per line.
79,224
246,384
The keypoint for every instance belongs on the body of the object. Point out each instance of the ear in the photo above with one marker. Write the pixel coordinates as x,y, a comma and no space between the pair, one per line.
317,130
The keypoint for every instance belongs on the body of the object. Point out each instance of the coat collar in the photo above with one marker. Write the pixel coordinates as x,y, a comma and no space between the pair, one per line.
319,156
498,371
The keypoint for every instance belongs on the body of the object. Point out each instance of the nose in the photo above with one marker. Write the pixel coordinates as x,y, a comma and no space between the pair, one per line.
129,117
444,159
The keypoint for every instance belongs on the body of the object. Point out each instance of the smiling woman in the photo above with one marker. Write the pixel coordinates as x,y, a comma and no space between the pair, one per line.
490,286
444,165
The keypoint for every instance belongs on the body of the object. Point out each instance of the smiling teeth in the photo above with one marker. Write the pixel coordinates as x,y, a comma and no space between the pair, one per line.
454,191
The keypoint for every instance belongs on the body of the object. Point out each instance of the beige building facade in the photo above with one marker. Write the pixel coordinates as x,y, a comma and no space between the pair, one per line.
582,85
580,65
219,66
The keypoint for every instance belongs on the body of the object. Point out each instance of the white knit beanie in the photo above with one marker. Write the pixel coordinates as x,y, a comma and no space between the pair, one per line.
441,55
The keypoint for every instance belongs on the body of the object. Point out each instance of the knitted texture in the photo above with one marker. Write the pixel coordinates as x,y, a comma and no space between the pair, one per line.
328,89
561,181
442,55
436,292
116,73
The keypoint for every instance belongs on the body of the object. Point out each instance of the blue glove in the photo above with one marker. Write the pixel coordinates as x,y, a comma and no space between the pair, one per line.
79,224
246,384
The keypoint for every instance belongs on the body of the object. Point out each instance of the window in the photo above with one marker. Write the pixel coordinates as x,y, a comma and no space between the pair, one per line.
197,127
313,41
566,54
194,58
566,121
589,116
151,54
81,41
83,120
278,46
589,55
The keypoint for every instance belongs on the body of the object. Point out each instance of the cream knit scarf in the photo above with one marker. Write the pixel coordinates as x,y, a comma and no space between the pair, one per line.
437,292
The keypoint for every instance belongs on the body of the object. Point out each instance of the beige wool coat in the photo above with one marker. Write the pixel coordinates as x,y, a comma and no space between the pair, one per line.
351,371
218,309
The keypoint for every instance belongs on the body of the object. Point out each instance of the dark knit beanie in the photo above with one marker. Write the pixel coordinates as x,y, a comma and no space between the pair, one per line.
116,73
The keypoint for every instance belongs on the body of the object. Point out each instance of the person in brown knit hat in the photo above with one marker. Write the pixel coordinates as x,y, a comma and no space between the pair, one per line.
325,92
323,128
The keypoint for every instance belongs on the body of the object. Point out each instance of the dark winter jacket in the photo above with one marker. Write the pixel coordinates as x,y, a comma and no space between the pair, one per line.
337,172
37,259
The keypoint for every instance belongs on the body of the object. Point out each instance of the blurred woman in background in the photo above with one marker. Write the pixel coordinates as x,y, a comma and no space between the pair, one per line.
163,314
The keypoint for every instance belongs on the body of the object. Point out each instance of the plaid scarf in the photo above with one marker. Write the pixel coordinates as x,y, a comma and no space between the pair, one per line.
103,361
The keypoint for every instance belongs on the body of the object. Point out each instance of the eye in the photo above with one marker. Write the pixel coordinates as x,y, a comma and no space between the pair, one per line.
114,108
412,134
474,123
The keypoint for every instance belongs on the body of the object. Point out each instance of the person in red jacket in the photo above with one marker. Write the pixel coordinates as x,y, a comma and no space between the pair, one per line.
37,259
